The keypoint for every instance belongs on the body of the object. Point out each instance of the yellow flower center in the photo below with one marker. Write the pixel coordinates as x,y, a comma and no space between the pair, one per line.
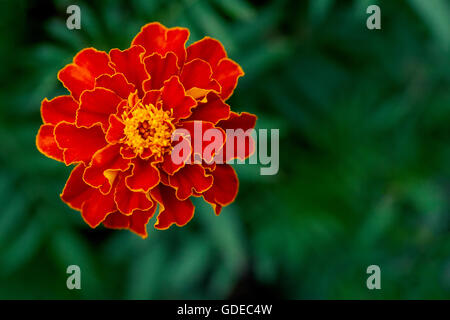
148,127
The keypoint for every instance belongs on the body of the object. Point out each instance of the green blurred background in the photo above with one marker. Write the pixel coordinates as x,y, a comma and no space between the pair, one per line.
364,119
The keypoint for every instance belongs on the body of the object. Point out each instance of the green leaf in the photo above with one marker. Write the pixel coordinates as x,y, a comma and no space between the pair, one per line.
436,15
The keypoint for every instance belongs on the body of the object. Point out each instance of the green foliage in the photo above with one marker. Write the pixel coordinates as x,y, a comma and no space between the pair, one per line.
364,148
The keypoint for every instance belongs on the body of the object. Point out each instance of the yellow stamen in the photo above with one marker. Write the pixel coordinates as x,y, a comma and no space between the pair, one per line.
148,127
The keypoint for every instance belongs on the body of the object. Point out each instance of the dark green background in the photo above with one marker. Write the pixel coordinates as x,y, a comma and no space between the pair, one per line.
364,156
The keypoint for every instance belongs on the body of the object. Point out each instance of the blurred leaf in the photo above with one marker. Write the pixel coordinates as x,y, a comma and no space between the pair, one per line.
237,9
147,274
436,14
319,9
23,248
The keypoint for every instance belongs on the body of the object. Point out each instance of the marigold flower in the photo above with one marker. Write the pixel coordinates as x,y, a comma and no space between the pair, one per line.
116,127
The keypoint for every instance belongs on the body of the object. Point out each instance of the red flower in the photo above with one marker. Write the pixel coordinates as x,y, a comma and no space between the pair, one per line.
117,122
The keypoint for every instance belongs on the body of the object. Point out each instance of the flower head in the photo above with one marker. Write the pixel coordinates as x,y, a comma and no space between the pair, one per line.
117,126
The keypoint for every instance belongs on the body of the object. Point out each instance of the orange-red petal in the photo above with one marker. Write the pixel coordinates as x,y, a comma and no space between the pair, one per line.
127,152
116,220
87,65
151,97
97,207
136,222
154,37
129,62
144,176
191,178
171,209
227,73
224,188
76,191
171,167
96,106
225,70
115,130
173,97
104,167
117,83
78,195
198,74
244,144
139,220
62,108
160,69
128,201
46,143
198,144
164,178
213,110
207,49
243,120
79,144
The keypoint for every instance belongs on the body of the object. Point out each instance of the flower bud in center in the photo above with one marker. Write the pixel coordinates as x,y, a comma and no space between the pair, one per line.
148,127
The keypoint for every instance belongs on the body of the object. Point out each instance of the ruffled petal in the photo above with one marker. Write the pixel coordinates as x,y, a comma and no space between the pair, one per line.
97,207
202,149
144,176
213,110
129,62
173,97
151,97
117,83
116,220
171,209
76,191
224,188
139,220
225,70
209,167
171,167
207,49
115,130
238,143
79,144
243,120
164,178
104,167
87,65
198,74
136,222
227,73
189,179
154,37
127,152
129,201
160,69
62,108
78,195
96,106
46,143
